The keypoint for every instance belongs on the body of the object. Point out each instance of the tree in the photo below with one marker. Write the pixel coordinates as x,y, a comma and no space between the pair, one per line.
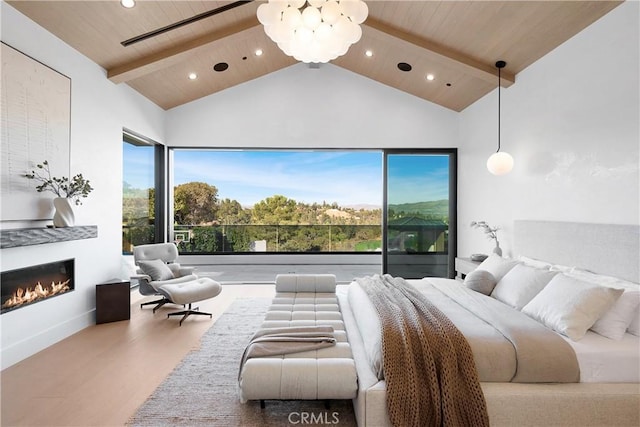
275,210
205,239
195,203
231,212
152,204
137,216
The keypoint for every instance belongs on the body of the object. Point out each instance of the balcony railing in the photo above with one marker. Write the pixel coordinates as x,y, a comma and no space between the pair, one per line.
237,239
277,238
136,234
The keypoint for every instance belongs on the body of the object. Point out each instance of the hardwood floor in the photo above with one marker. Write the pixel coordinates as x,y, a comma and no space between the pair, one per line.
102,374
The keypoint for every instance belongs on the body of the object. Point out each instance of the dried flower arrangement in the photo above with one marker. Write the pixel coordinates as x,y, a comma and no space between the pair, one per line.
73,189
491,232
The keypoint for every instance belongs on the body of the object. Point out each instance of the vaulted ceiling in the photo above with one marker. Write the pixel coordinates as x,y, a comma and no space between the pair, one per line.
458,42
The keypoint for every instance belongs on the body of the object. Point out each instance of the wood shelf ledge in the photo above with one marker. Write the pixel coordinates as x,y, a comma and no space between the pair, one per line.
14,238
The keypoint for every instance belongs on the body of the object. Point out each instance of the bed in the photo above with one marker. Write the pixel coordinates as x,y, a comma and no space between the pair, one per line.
608,388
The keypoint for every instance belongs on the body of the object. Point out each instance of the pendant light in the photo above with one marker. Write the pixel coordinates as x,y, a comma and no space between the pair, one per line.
500,163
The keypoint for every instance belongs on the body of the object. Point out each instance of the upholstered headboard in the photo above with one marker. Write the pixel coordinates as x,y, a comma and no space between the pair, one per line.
609,249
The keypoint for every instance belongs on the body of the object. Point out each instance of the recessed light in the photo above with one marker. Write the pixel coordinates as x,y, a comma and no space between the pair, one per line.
193,76
368,53
128,3
259,52
430,77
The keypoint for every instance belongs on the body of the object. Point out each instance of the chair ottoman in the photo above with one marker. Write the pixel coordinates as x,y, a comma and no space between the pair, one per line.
189,292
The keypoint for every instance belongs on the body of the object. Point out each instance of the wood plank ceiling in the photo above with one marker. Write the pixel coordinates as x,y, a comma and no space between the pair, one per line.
456,41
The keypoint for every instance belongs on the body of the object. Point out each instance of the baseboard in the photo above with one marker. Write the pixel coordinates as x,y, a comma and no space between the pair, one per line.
33,344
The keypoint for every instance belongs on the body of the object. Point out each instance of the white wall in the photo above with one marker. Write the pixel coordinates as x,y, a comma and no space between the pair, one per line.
99,111
571,123
302,107
299,107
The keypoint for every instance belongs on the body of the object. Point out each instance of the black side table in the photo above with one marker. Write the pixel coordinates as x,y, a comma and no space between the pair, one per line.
113,302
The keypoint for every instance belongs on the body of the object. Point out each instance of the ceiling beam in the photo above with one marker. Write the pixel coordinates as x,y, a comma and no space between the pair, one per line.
435,52
174,55
446,56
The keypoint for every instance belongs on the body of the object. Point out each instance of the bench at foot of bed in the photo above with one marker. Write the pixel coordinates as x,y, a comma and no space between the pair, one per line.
325,374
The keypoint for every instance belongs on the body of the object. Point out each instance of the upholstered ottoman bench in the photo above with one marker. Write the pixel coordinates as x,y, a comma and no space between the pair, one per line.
303,300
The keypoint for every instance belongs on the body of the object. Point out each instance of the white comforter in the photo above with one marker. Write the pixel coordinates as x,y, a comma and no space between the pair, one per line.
507,345
599,359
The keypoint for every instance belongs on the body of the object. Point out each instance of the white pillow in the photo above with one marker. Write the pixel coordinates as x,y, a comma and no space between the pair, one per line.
601,279
157,269
613,324
497,266
634,326
614,282
532,262
521,284
571,306
480,281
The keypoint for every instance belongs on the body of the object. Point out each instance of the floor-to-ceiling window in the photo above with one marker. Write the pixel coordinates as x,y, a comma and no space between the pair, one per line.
399,204
141,180
419,214
277,201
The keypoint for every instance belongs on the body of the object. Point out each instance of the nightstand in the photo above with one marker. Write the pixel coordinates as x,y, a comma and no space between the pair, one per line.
464,266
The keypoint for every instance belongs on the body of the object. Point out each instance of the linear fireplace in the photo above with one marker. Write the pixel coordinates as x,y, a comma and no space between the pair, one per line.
30,285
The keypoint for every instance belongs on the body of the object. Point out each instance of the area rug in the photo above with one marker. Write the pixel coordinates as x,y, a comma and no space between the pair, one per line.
203,389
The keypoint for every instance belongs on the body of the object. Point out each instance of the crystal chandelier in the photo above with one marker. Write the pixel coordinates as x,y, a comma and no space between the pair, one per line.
313,30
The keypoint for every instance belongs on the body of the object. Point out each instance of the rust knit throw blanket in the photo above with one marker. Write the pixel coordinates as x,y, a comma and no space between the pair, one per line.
430,374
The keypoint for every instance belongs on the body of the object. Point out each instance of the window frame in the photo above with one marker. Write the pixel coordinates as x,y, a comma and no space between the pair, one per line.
161,231
452,246
451,152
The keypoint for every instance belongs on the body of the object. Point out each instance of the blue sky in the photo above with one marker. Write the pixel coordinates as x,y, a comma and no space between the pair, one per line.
138,166
417,178
346,177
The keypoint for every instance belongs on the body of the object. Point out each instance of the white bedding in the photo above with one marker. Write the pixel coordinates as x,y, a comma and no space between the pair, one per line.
600,359
602,248
603,360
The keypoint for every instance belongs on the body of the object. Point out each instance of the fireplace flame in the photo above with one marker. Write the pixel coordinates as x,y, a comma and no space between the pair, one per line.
38,292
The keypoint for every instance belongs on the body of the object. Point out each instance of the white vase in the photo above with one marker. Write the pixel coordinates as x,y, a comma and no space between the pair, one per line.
497,250
63,216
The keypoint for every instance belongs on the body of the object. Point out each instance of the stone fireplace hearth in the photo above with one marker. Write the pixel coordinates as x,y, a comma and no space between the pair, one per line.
29,285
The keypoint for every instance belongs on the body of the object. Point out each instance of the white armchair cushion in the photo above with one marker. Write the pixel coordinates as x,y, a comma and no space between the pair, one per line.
167,252
179,271
158,283
156,269
187,292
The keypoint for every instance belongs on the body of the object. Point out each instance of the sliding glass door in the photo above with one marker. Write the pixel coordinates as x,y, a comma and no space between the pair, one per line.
419,221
